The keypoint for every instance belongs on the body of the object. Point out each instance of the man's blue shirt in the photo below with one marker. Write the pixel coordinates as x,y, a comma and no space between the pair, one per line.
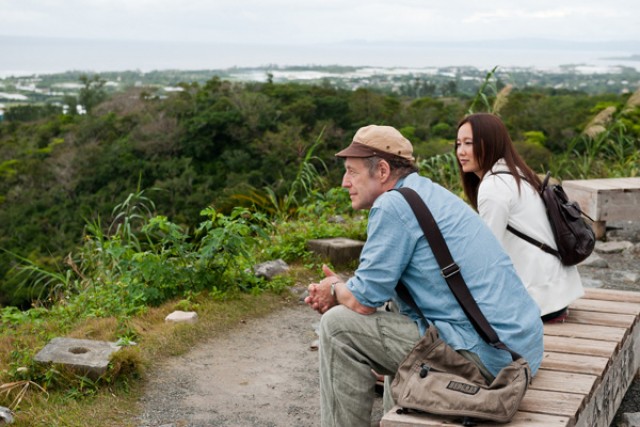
396,249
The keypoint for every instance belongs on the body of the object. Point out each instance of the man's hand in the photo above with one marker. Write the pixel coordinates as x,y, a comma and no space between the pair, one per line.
320,296
321,300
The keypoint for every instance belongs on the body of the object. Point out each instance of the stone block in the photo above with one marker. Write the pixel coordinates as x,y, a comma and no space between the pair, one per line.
338,250
88,357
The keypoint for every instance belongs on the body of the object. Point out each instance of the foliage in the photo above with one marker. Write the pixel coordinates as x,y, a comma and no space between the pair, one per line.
442,169
605,148
327,215
92,93
31,112
307,182
259,145
488,85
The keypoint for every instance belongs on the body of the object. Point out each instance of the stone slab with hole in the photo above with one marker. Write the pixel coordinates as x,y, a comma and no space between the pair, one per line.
88,357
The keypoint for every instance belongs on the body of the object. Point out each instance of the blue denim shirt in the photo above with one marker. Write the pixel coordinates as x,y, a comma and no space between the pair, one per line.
396,249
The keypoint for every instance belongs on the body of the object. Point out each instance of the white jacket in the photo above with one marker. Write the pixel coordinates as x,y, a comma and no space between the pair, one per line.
552,285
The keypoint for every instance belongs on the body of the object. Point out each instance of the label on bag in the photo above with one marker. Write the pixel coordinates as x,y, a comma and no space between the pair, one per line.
463,387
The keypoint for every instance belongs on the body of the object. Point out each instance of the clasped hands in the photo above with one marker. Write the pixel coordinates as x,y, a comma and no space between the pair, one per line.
320,297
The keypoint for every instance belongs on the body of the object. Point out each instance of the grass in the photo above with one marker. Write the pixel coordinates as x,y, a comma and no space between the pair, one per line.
117,403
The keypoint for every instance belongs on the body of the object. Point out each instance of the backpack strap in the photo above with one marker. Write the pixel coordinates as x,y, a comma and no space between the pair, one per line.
450,271
548,249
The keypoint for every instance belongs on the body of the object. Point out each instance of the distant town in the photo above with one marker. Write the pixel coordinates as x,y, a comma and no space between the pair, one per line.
54,89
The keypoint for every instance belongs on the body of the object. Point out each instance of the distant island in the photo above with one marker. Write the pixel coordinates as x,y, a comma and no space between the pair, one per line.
623,58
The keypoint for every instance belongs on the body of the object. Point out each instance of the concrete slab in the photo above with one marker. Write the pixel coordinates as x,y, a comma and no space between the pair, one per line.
89,357
338,250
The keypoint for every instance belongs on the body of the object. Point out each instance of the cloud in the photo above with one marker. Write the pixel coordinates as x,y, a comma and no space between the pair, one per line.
318,21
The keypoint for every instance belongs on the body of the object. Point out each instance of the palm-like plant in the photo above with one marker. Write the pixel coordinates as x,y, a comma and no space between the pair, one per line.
308,181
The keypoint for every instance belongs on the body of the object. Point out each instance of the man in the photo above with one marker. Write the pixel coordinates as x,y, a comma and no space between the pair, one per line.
355,337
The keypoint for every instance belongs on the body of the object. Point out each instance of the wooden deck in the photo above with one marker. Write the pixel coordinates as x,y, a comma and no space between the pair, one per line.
609,199
589,363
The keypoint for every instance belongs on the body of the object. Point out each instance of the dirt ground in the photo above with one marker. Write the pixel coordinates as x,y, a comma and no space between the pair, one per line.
265,373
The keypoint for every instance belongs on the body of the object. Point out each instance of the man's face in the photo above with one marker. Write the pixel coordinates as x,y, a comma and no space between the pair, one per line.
363,188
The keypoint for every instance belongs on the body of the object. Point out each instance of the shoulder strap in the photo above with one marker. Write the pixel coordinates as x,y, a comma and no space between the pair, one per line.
450,271
548,249
507,173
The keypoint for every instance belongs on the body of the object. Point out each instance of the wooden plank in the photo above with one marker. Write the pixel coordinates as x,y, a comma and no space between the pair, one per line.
605,400
603,319
564,382
561,344
520,419
575,363
606,306
630,184
611,295
552,403
577,330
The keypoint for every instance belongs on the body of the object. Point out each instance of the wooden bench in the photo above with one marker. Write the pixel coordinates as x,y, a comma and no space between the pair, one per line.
605,200
589,363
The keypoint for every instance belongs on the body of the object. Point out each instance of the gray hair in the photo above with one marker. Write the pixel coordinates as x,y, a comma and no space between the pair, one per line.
399,167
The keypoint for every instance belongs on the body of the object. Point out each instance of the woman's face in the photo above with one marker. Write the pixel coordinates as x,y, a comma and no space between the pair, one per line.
464,150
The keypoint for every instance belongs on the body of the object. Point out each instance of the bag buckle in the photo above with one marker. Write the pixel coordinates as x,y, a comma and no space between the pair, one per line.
450,270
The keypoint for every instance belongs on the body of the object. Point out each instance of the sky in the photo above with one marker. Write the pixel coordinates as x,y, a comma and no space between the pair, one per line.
300,22
108,35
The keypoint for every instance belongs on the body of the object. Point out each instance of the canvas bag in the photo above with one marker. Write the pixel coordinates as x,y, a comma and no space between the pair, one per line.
574,237
434,378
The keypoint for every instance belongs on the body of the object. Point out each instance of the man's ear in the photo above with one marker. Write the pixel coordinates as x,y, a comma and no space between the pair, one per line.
384,170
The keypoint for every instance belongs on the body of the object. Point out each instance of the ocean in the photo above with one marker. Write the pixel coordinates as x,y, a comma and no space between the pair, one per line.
25,56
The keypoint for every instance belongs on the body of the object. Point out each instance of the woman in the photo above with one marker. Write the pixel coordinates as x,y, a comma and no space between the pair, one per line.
505,191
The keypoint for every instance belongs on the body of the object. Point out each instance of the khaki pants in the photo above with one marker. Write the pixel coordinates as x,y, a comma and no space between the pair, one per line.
352,344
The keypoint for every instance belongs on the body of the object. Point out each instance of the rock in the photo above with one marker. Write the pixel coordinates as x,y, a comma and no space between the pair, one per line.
612,247
591,283
624,230
629,277
336,219
595,261
631,419
182,317
270,269
6,415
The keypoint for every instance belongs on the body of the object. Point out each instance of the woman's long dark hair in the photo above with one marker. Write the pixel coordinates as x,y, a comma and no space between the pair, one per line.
491,142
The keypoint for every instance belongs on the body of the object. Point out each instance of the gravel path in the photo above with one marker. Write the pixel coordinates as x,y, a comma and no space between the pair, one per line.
264,373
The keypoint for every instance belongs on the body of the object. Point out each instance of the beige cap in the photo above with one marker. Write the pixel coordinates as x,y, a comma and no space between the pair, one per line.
382,141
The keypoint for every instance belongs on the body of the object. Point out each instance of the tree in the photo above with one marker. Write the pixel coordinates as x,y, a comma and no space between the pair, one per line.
93,92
